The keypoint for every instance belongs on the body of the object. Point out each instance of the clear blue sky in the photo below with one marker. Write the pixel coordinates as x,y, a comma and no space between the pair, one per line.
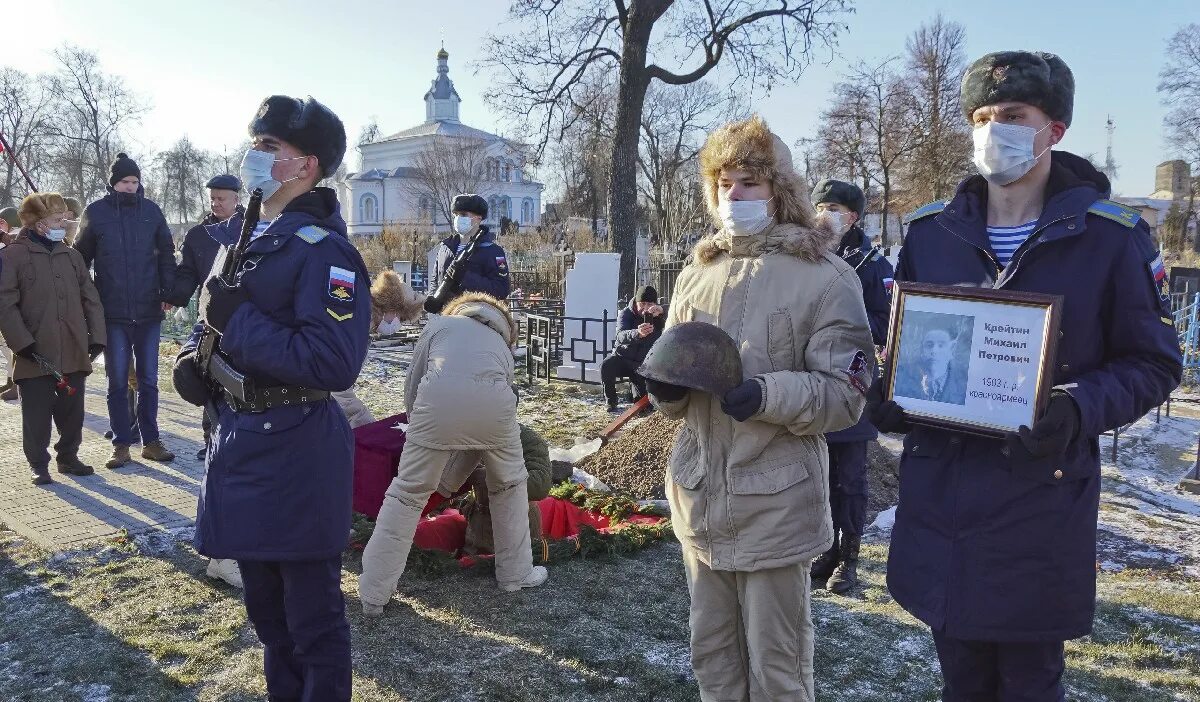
204,66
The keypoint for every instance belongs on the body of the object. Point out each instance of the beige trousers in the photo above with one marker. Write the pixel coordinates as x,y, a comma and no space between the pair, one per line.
422,470
752,633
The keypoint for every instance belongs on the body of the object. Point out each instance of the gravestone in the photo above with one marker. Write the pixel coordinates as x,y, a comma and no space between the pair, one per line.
404,270
591,293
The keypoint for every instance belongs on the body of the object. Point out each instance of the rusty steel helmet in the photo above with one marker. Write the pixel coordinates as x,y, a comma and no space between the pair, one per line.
695,355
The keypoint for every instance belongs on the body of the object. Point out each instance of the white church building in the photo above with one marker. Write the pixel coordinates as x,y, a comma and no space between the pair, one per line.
387,187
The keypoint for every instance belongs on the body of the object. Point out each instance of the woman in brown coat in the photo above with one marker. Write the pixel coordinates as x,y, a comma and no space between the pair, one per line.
50,316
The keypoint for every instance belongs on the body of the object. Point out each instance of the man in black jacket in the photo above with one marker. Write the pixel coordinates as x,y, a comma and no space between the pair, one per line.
641,324
199,249
125,239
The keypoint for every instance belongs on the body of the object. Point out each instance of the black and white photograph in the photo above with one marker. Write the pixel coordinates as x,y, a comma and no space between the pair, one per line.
935,356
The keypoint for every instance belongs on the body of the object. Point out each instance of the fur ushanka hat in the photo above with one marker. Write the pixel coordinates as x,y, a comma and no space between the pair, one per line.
749,145
38,206
1032,77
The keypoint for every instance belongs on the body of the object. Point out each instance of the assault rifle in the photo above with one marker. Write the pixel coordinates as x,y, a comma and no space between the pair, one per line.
217,371
451,283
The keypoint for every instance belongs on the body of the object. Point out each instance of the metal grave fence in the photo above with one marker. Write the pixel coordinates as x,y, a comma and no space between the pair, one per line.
547,346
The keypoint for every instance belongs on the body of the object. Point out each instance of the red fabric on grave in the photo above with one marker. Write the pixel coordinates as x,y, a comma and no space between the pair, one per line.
445,532
377,449
561,518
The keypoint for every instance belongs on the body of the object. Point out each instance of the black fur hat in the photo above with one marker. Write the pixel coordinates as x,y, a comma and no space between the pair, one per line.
469,202
306,124
1033,77
846,194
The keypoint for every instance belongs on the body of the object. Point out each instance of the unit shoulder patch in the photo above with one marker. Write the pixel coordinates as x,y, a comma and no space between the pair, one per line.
311,233
341,284
1115,211
926,210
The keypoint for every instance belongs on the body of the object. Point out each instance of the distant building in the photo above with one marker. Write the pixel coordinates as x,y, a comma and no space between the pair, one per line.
1172,180
386,188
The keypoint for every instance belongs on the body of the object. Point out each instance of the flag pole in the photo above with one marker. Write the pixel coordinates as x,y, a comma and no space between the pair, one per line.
4,146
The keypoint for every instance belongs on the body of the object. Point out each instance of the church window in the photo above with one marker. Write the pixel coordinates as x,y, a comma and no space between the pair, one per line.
368,208
527,211
507,172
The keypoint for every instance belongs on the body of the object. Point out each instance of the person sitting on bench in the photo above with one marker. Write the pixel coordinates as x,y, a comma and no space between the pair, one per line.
641,324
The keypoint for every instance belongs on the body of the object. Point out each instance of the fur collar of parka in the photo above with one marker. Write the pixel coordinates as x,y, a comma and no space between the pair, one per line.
486,310
806,244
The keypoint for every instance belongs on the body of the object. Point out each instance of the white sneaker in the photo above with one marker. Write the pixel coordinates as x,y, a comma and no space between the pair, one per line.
225,569
536,577
372,611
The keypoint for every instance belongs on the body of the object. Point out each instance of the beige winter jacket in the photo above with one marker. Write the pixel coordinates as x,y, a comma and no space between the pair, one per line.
459,392
754,495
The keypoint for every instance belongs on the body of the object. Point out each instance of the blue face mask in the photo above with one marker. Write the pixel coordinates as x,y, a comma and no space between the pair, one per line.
56,234
256,172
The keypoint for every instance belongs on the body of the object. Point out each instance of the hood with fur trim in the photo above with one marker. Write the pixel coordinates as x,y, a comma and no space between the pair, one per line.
750,145
805,243
486,310
390,295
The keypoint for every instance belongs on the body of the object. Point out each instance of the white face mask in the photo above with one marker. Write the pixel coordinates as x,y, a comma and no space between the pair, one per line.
1004,152
56,234
256,172
744,217
389,327
462,224
837,221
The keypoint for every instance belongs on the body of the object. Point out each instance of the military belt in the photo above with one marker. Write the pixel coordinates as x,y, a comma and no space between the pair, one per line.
244,395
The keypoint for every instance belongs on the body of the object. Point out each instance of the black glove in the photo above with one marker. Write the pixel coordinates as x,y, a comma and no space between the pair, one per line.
26,353
744,401
94,350
887,416
1050,434
189,383
666,392
221,302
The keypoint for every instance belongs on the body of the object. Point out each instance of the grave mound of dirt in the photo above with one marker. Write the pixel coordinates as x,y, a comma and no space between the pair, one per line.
635,464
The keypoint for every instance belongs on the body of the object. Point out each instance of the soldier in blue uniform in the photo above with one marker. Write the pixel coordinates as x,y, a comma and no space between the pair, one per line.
487,269
994,545
842,205
276,494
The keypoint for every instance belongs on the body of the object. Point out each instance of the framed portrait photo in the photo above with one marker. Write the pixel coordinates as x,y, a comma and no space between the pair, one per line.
972,359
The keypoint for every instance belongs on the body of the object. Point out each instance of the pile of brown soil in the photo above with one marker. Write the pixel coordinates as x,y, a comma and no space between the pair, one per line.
635,462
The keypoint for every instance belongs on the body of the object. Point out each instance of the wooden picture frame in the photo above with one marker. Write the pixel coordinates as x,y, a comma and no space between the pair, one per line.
970,359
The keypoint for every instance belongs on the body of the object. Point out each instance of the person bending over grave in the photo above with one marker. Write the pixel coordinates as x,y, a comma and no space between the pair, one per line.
642,323
459,397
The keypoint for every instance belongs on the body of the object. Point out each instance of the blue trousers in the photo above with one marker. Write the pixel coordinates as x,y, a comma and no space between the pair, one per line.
848,486
989,671
137,344
298,612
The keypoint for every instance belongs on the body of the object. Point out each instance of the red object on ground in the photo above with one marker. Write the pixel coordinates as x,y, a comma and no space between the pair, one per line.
445,532
377,449
561,519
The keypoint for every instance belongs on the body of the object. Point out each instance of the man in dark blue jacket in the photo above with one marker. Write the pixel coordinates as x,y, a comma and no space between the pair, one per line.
125,239
199,248
487,270
641,324
841,205
276,493
994,545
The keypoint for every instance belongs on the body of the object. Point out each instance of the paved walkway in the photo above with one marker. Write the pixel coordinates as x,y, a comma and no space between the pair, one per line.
139,497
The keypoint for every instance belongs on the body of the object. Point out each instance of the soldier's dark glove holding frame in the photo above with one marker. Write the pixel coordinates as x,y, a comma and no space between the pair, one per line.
1050,435
887,416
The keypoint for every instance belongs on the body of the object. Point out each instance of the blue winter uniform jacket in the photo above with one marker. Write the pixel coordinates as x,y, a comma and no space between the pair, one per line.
988,548
129,247
875,274
629,343
278,483
487,269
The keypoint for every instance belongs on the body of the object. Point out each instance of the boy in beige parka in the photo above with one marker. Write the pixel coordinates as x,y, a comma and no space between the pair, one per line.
747,477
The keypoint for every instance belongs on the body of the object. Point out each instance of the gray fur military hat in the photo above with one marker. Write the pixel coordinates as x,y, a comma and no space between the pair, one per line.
845,194
1032,77
470,202
306,124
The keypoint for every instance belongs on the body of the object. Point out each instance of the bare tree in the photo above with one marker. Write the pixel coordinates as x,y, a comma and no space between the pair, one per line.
92,109
674,124
934,63
540,70
25,123
369,133
452,165
181,172
842,139
1179,87
580,157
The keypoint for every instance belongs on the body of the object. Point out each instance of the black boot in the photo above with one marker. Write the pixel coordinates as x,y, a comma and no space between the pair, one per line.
73,466
845,577
823,567
40,475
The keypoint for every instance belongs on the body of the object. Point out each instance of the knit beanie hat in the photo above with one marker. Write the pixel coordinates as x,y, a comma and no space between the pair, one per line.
647,294
122,168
